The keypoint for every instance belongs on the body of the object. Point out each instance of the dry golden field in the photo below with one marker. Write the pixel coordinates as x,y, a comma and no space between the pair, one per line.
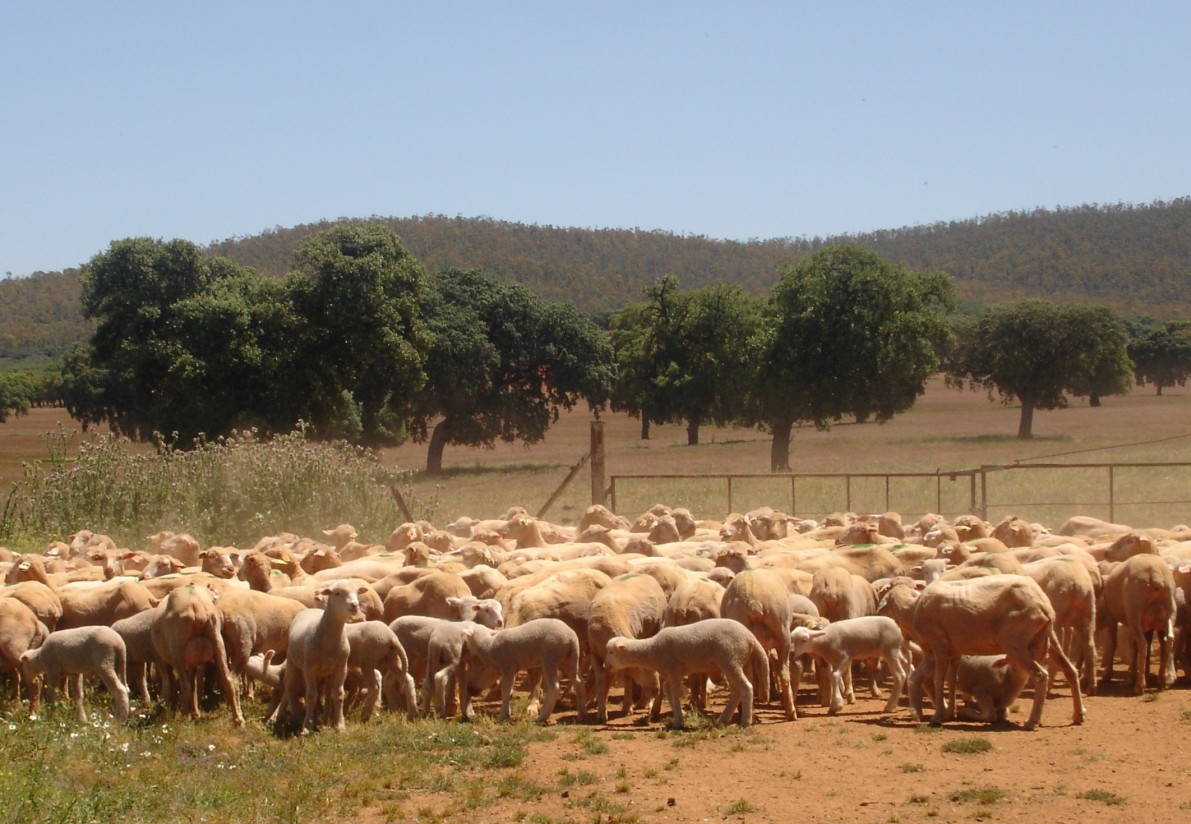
947,430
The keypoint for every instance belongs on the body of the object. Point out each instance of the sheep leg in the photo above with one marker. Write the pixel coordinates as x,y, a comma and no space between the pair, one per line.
837,689
845,671
374,685
925,669
601,691
673,688
1030,657
335,695
941,667
119,693
1072,676
1110,652
1141,661
506,693
897,667
1166,671
740,694
76,691
551,688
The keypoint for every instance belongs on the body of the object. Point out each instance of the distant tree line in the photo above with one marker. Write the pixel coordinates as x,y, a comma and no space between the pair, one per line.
360,342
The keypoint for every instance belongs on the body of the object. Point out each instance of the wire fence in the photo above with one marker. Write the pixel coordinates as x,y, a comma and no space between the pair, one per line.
1143,493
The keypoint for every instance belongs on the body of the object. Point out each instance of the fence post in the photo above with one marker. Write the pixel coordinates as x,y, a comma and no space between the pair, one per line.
599,489
1112,498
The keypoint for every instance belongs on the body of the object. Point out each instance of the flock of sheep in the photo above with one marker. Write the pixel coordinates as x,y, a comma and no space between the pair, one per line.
673,606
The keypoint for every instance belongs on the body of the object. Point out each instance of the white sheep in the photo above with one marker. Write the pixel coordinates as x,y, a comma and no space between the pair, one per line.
377,654
545,645
712,646
854,639
998,614
318,653
93,650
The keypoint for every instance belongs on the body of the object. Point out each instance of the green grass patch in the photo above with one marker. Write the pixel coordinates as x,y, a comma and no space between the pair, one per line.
983,795
59,770
1103,797
968,746
739,806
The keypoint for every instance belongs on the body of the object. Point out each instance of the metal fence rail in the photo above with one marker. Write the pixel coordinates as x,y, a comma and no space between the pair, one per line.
1043,492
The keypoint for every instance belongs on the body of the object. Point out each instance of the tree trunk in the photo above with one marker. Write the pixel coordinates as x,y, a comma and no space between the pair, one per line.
779,450
644,427
1025,429
692,430
438,441
1159,389
1094,399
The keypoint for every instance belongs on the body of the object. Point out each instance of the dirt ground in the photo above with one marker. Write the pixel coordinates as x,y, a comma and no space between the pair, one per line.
1127,762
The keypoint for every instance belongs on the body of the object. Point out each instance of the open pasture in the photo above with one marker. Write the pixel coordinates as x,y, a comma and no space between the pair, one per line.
1125,762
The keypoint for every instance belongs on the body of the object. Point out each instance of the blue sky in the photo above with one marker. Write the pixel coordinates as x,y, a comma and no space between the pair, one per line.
731,120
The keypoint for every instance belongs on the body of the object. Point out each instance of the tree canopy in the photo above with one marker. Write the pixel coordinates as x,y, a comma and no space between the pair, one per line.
503,364
1162,354
361,342
1036,352
847,333
683,356
186,345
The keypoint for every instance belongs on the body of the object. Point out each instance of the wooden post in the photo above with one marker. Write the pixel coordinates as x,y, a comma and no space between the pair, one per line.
400,499
599,487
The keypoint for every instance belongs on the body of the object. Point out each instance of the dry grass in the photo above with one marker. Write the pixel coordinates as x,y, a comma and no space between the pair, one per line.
946,430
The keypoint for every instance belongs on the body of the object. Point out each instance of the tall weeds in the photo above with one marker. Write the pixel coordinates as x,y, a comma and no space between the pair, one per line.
229,491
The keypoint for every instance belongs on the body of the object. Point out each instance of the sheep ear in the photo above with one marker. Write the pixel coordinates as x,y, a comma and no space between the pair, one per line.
454,600
620,645
322,595
816,633
361,590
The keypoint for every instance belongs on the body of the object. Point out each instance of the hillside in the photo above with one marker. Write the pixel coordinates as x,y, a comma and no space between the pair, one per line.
1136,259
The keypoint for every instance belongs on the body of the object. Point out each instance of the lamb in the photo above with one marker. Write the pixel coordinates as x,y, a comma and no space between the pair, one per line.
841,642
715,645
998,614
991,684
318,653
632,606
95,650
447,668
545,645
377,654
187,632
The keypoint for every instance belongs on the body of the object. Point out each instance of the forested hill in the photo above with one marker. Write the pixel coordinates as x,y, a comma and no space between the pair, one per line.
1136,259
